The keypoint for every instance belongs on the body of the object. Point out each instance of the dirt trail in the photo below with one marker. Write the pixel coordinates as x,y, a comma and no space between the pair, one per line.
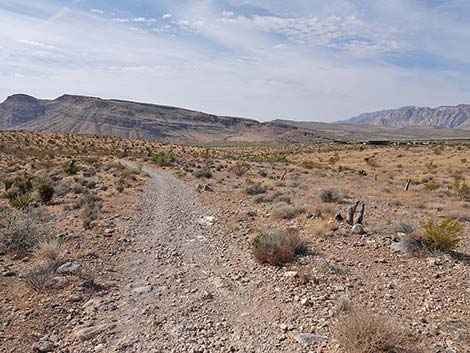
201,299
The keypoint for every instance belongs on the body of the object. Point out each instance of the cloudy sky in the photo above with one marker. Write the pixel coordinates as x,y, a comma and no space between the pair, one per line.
266,59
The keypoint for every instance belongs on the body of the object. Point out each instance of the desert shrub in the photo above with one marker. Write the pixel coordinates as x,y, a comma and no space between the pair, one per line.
311,165
256,189
50,249
442,236
19,231
287,211
275,197
277,158
18,190
362,331
241,168
431,185
278,247
45,190
371,162
462,190
21,201
163,159
38,278
334,159
330,196
70,168
203,173
91,205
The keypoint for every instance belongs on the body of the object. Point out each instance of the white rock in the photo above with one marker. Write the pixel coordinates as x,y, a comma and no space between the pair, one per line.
143,290
69,267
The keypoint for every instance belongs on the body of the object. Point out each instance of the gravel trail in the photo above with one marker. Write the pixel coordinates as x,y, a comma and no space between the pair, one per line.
183,288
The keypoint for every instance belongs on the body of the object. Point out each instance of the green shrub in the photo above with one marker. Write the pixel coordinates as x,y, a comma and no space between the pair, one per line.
430,185
163,159
444,236
21,201
45,190
462,190
278,247
241,168
70,168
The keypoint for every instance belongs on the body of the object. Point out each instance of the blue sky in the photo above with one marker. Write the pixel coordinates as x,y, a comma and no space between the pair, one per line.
299,59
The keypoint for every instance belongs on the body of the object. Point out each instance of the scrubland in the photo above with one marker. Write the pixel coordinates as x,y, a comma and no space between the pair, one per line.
397,280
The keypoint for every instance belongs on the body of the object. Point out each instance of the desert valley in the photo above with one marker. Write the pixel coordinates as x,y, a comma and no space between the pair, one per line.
110,244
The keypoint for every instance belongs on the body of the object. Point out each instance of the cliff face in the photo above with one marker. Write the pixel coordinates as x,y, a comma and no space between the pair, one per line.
452,117
87,115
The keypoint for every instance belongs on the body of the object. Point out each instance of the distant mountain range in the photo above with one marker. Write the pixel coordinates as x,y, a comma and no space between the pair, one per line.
451,117
96,116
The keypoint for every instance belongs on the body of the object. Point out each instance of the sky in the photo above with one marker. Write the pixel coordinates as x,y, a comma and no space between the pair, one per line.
312,60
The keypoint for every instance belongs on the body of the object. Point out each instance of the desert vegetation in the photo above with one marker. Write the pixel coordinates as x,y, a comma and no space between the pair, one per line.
367,248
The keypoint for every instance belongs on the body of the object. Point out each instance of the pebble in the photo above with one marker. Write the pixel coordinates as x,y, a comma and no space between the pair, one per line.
69,267
308,338
143,290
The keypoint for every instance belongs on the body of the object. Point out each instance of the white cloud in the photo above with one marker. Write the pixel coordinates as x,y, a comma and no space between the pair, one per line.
228,13
99,12
167,16
313,66
140,19
121,20
36,44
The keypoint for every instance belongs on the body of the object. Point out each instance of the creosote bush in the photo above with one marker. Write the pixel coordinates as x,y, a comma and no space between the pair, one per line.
442,236
241,168
362,331
163,159
278,247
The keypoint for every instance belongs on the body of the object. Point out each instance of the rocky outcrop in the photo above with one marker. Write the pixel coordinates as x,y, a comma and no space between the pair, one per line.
452,117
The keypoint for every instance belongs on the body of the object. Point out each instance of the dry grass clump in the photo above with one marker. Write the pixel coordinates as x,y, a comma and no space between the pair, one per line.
362,331
19,231
38,278
50,249
278,247
331,196
256,189
284,211
275,197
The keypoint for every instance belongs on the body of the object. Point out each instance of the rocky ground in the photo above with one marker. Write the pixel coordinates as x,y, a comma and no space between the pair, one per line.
170,268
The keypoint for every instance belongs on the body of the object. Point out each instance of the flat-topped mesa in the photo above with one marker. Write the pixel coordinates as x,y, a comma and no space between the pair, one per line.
18,109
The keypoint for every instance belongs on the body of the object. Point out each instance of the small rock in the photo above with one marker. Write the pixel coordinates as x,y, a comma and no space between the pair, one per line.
304,301
69,267
88,333
207,221
308,338
291,274
143,290
43,346
339,217
58,282
5,272
358,229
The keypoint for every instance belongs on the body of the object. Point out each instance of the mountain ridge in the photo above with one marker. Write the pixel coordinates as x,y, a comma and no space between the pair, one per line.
78,114
447,116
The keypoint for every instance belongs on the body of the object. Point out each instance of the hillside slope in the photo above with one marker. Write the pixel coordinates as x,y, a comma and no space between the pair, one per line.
451,117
